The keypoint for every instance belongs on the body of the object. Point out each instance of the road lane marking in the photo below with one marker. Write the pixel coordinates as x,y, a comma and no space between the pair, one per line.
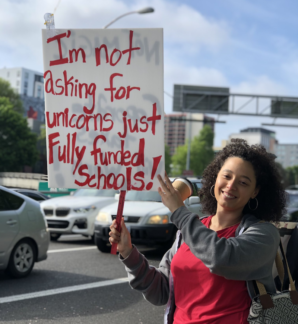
72,249
57,291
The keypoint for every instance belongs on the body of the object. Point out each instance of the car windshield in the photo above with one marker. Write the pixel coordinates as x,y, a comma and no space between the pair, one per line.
143,196
94,193
293,204
292,199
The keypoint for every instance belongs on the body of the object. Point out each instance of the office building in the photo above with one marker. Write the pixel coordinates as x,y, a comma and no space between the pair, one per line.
287,154
257,135
29,85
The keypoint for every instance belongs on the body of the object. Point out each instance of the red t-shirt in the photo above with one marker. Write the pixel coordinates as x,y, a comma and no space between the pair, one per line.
202,297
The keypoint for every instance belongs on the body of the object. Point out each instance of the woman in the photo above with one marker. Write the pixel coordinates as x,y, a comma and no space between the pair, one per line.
208,275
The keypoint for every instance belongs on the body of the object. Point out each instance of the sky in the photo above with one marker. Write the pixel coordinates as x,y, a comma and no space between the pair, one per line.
250,47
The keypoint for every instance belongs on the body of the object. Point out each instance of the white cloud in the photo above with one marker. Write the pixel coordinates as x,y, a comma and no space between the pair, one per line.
21,24
194,75
184,25
260,85
290,71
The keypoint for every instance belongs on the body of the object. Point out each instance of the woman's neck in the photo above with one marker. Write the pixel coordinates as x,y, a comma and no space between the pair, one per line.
224,219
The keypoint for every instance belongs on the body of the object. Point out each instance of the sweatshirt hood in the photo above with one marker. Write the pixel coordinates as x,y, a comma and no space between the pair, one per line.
247,221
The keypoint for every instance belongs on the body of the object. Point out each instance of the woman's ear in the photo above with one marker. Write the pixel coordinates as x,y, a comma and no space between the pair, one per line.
255,193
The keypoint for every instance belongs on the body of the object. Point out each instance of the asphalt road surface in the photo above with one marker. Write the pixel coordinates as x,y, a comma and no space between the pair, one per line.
77,284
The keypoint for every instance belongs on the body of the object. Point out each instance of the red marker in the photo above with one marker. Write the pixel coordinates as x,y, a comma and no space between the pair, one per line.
119,217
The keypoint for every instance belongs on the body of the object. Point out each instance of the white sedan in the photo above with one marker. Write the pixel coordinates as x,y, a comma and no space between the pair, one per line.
146,217
76,214
24,237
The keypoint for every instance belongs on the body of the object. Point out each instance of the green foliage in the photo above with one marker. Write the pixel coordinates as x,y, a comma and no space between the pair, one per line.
283,174
292,175
167,160
41,141
179,160
201,153
17,142
6,91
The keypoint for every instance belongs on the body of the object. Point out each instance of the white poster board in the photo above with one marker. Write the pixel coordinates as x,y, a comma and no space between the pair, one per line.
104,108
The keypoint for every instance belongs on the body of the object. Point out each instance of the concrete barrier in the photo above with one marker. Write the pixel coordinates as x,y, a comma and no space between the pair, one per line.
22,180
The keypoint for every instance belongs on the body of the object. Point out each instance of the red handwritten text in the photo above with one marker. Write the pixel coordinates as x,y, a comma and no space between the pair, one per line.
103,123
76,88
122,157
111,60
153,118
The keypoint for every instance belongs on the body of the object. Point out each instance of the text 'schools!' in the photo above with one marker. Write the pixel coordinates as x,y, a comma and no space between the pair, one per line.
104,108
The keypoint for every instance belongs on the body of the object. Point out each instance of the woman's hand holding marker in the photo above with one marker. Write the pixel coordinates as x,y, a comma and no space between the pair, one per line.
123,239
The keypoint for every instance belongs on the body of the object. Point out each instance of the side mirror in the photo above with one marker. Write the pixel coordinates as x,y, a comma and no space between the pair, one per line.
117,196
194,200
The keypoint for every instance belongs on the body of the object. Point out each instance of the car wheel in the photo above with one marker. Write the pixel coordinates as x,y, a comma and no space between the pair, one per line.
55,236
22,259
103,246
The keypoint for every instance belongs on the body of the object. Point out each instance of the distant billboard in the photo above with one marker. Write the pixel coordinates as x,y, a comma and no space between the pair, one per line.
200,99
284,108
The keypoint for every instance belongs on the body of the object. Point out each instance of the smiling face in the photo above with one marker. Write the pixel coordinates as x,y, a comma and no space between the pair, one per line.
235,185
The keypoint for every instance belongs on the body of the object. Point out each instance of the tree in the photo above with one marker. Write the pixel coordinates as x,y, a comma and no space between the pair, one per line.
17,142
41,141
292,175
201,153
179,160
167,159
7,91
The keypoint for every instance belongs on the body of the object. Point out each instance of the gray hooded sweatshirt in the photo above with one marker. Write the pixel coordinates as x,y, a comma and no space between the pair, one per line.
247,256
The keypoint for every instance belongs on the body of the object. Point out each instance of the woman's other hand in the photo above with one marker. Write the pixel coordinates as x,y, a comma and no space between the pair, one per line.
170,196
123,239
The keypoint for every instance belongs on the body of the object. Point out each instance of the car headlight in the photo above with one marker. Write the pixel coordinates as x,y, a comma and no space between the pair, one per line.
158,219
84,210
44,217
103,217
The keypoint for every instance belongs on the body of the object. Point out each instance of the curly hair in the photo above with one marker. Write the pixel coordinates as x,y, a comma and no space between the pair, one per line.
271,196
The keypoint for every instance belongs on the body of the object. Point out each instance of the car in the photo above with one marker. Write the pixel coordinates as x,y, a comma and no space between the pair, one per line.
24,237
292,195
34,194
293,187
75,214
146,217
292,211
292,206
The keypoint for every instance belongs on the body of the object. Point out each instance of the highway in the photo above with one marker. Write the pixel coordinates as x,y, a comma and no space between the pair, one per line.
77,284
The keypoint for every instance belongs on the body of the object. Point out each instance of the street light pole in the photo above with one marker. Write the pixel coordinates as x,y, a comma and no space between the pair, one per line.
188,145
141,11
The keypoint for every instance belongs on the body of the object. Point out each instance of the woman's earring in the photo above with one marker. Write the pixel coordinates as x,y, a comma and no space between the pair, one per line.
211,192
256,204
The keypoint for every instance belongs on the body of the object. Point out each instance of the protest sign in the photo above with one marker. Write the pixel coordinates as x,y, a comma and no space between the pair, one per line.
104,108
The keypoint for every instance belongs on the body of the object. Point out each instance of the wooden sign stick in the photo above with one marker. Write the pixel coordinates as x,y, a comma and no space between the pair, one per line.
119,217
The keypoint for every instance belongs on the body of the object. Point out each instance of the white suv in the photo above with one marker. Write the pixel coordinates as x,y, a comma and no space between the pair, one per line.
76,214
